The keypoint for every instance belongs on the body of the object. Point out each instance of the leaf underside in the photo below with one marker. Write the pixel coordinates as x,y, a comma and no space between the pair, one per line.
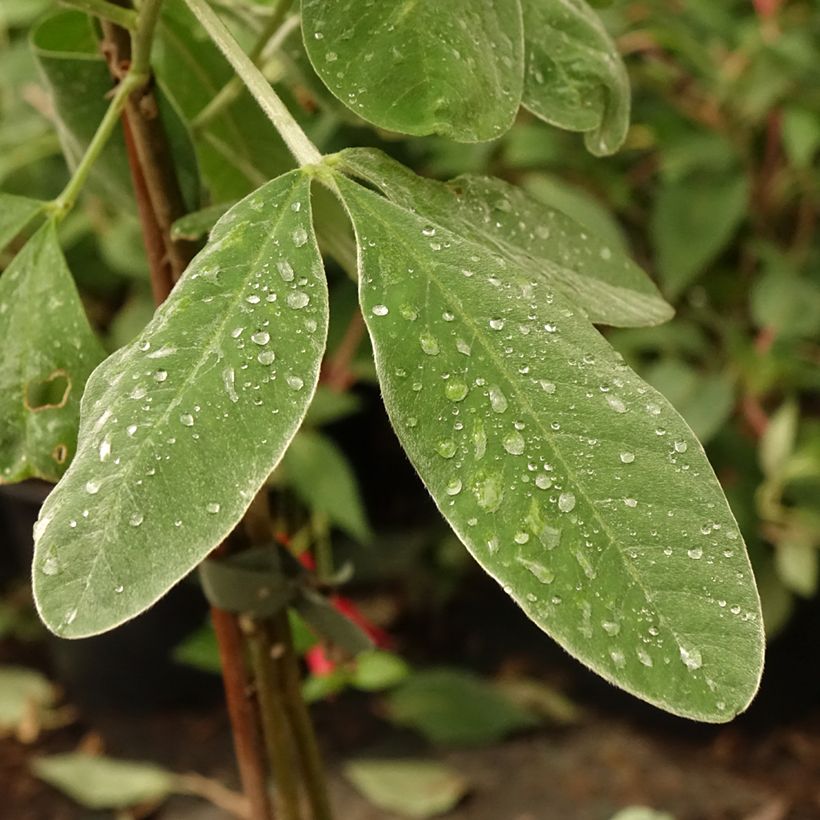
49,350
572,482
199,409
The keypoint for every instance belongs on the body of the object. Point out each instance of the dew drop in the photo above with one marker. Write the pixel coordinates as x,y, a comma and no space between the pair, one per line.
92,487
299,237
229,380
261,338
566,502
285,270
105,449
294,382
631,502
691,658
454,487
50,566
547,387
380,310
266,357
456,391
497,324
213,508
136,519
297,299
696,553
680,446
616,404
498,401
429,343
446,448
627,457
160,375
187,419
514,443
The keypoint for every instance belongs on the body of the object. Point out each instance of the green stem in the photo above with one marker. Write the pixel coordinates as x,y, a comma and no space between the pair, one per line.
137,76
305,152
65,201
230,91
127,18
143,38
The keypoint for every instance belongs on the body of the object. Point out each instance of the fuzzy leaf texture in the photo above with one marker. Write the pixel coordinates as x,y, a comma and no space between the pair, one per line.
572,482
575,78
49,350
421,66
200,409
525,233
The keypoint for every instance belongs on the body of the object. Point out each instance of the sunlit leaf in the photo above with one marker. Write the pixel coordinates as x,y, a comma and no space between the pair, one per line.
522,232
571,481
104,783
48,352
408,787
575,78
421,66
181,428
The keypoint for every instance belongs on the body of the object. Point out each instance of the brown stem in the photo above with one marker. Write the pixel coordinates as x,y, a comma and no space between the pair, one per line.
336,371
310,758
160,203
267,667
250,757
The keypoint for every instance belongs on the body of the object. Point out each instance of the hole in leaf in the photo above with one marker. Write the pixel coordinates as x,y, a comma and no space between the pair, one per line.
60,453
48,394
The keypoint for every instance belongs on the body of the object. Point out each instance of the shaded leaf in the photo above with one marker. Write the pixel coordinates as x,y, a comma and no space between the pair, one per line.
490,215
199,223
541,699
49,352
575,78
797,566
322,477
421,67
571,481
692,222
778,440
182,427
411,788
15,213
377,670
450,706
22,690
102,782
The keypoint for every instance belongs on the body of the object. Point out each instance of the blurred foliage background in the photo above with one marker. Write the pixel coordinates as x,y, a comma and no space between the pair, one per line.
715,193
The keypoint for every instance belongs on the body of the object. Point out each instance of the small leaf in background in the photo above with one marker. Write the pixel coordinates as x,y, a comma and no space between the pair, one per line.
450,706
705,400
801,135
408,787
15,213
569,479
541,699
376,670
199,223
778,440
693,220
641,813
538,240
102,782
454,68
329,406
49,352
575,77
182,427
797,566
26,698
322,477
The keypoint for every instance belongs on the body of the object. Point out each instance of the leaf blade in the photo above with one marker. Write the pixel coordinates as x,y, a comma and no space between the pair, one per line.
199,409
597,276
421,67
556,398
50,351
575,77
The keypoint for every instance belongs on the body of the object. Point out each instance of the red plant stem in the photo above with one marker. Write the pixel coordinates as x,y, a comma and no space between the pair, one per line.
336,372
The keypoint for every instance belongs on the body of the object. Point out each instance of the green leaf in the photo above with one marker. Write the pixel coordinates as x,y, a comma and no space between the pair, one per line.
15,213
69,56
540,241
49,352
104,783
199,223
181,428
410,788
22,690
641,813
377,670
449,706
421,66
575,77
692,222
797,566
238,150
571,481
322,477
778,440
